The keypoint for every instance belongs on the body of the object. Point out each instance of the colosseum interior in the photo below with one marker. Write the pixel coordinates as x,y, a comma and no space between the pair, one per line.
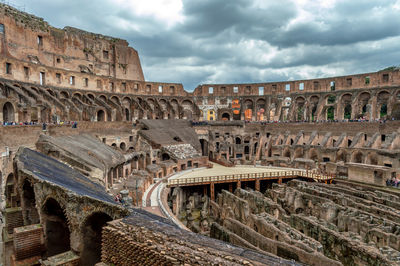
101,167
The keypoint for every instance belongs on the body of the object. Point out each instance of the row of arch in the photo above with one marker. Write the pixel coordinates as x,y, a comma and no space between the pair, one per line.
356,156
53,215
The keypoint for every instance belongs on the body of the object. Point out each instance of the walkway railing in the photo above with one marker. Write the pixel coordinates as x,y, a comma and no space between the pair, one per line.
185,181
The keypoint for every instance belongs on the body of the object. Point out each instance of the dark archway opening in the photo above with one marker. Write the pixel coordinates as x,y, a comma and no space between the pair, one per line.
226,117
9,190
383,111
101,116
29,204
56,228
238,140
358,158
8,112
165,157
122,146
330,113
91,253
347,112
126,114
204,147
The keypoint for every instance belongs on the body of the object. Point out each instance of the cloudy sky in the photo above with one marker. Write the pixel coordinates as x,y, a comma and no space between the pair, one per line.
239,41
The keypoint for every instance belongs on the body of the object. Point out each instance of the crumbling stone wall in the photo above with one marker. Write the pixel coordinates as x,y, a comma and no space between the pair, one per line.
364,152
134,240
312,222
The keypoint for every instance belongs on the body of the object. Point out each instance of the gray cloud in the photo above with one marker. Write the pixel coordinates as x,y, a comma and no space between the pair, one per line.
235,41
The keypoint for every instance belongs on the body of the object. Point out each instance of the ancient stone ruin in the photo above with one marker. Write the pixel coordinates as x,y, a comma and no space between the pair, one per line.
101,167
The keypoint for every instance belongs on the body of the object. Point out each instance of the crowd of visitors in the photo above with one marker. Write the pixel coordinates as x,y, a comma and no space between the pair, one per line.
394,182
74,124
265,122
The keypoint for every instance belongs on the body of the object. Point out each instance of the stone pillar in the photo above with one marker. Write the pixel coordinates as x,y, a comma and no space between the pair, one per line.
230,187
373,111
280,181
212,192
239,184
257,184
205,190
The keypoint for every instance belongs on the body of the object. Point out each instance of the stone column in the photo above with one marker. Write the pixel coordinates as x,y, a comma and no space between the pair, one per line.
257,184
212,192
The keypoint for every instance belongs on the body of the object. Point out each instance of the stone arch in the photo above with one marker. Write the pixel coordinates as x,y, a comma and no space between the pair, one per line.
103,98
28,200
260,109
346,102
347,111
8,112
341,156
64,94
51,92
372,158
9,189
101,115
187,114
77,95
91,235
286,152
248,109
57,231
363,100
115,99
238,140
122,146
330,113
90,96
298,153
204,147
165,157
357,157
382,103
127,114
225,117
313,155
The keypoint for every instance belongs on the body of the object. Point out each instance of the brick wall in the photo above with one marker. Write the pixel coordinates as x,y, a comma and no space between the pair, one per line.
28,241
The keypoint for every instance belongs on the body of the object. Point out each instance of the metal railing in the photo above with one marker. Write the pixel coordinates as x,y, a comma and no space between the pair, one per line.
243,177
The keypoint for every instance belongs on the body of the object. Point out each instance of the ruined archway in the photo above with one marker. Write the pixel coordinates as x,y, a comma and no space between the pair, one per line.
127,114
347,111
122,146
166,157
30,212
9,190
204,147
91,230
57,234
8,112
357,157
341,156
101,116
330,113
372,158
238,140
225,117
286,153
298,153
